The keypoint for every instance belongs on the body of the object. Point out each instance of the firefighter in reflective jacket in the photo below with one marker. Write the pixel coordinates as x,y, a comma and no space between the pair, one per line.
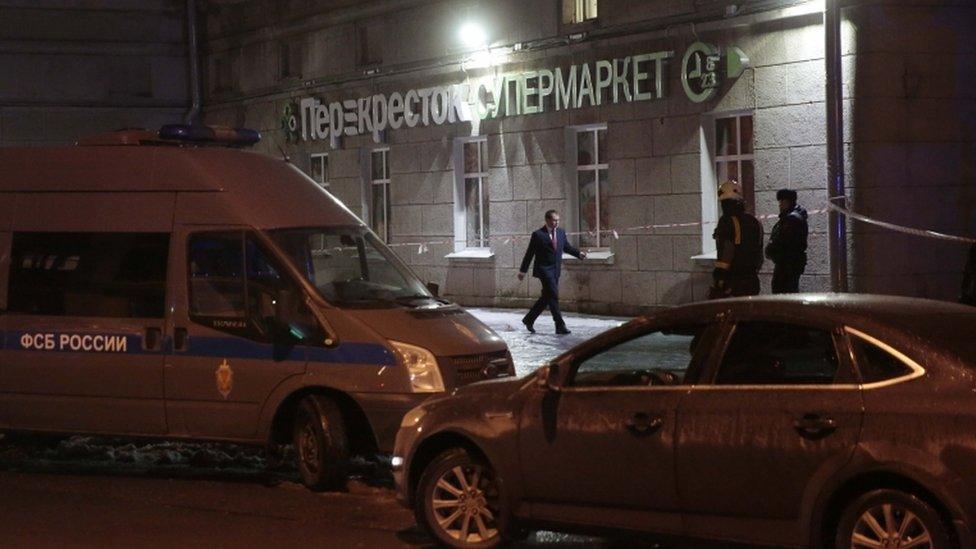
738,242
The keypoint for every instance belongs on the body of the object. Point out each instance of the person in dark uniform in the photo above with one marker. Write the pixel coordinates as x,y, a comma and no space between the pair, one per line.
547,245
738,243
787,247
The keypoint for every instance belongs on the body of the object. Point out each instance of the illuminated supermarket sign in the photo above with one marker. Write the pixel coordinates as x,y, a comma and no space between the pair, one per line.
633,78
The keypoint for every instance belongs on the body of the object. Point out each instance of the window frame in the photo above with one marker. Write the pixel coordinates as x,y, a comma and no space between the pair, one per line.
248,331
13,269
323,160
845,362
579,11
917,370
709,177
697,367
460,204
384,183
572,148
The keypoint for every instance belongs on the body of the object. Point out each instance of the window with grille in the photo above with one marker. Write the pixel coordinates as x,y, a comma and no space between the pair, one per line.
380,193
734,154
319,168
473,193
592,185
577,11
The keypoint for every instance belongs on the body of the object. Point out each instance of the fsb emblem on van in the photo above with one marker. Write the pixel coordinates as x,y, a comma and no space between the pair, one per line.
144,264
225,379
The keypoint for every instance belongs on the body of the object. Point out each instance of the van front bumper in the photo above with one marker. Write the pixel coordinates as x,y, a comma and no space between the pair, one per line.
385,411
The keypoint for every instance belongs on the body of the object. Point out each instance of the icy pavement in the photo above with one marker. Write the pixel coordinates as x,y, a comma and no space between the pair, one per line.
532,350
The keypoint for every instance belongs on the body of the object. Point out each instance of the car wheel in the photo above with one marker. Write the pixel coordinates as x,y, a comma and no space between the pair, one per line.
321,446
891,519
458,501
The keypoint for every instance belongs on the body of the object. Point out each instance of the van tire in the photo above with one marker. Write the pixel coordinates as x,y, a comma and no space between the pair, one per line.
321,444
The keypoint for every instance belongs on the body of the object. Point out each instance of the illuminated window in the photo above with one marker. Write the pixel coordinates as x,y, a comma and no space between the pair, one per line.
577,11
472,193
379,210
734,154
592,185
320,168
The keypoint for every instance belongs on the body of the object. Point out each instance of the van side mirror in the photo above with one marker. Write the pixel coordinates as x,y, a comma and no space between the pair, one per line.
547,377
434,289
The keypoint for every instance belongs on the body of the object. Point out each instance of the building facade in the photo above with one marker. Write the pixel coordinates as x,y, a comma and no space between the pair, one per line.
452,126
71,69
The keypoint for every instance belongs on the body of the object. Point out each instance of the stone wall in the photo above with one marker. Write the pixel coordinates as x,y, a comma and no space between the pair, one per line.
72,69
911,97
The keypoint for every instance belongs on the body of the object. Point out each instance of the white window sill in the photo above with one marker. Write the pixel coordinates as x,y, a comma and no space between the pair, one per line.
475,254
602,257
704,260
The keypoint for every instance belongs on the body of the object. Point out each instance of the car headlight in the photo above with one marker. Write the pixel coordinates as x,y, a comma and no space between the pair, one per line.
413,417
425,376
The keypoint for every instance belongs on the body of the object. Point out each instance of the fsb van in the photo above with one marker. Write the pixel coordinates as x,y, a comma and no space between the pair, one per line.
154,288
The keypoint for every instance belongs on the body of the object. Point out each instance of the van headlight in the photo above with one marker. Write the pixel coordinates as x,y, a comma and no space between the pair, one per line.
425,376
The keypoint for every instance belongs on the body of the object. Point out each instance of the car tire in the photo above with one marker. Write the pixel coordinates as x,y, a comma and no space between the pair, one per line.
871,517
321,445
468,515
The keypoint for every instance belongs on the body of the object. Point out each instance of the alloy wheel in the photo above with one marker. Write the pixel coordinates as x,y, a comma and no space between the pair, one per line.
465,504
890,526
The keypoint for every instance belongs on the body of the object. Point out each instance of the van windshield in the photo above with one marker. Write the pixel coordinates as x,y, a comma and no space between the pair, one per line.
351,266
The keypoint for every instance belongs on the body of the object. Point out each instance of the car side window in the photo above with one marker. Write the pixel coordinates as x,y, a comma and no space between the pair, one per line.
110,275
660,357
237,288
775,353
877,364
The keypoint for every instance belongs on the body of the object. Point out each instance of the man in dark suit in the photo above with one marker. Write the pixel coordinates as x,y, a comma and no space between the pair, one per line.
547,246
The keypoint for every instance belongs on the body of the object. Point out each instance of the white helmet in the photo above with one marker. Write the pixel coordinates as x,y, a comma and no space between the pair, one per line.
730,190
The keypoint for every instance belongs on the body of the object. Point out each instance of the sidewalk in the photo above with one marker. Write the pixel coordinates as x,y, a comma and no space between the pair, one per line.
532,350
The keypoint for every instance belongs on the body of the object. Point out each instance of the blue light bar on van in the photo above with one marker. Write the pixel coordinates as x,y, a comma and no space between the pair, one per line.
241,137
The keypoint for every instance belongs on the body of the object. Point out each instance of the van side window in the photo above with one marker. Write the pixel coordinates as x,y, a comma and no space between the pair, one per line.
114,275
235,287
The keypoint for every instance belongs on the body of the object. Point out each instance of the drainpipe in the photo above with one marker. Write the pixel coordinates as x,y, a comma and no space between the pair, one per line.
837,223
193,115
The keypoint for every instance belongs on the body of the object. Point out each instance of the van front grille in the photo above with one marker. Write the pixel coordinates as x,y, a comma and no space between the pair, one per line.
472,368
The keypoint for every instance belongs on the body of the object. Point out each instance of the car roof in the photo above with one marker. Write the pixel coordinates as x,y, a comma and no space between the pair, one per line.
942,324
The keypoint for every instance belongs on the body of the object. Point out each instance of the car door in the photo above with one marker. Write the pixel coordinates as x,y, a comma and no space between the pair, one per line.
779,412
84,332
226,358
605,439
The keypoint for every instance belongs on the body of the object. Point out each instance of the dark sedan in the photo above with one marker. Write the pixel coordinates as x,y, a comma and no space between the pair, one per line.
809,420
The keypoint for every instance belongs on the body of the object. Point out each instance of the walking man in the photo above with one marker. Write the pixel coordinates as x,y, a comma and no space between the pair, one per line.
547,245
787,246
738,243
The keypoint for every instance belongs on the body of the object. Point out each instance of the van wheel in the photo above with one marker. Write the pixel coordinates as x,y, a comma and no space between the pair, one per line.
458,501
321,446
891,519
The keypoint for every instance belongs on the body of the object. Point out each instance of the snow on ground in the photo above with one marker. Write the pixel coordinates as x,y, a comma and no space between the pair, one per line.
532,350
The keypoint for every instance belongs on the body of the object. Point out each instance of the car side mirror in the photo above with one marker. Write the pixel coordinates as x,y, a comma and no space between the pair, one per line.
547,377
434,289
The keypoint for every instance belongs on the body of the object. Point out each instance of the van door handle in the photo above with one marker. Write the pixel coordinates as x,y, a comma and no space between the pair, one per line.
153,341
642,425
814,427
180,338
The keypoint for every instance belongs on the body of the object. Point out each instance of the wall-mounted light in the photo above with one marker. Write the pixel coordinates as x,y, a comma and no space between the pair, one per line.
473,35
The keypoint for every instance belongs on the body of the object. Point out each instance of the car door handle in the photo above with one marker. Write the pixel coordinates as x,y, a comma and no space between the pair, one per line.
153,340
180,338
814,427
642,425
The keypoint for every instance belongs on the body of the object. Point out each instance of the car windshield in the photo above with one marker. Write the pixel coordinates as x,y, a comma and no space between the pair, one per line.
351,266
